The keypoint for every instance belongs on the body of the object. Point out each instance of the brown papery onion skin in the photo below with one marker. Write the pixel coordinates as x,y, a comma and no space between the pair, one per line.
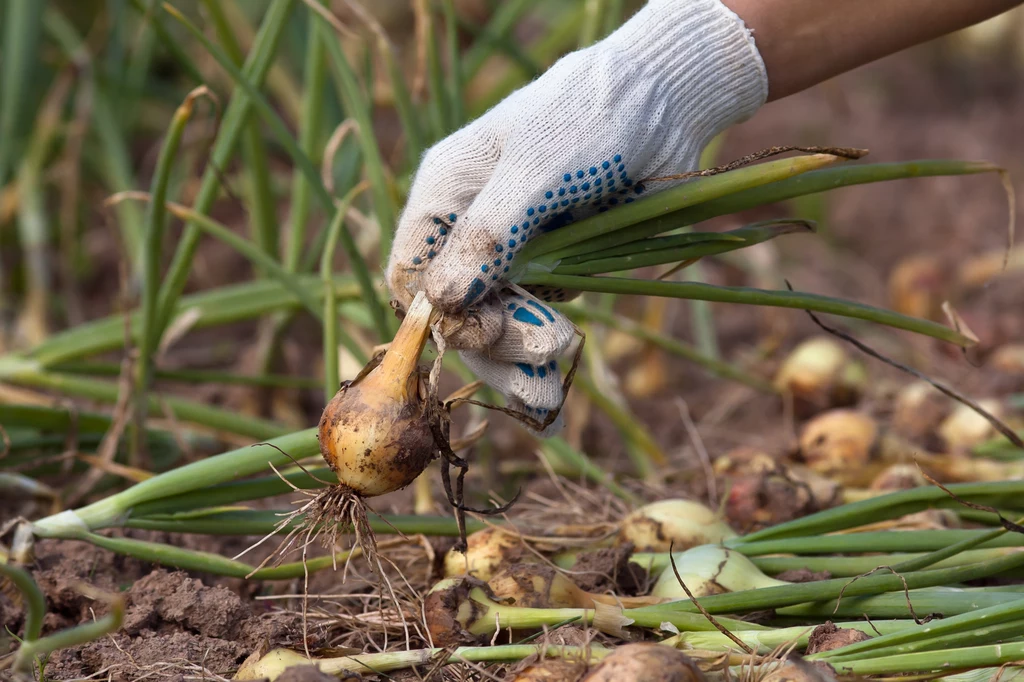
646,663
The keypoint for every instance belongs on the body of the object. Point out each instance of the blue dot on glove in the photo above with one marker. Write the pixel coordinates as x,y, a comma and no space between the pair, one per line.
476,288
542,309
524,315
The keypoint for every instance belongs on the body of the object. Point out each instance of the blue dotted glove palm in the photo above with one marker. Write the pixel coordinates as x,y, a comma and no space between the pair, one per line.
582,138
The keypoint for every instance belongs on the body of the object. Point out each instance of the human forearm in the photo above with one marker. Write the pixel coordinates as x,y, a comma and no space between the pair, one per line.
804,42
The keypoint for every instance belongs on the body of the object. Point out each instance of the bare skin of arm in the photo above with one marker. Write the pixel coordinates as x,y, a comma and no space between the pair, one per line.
804,42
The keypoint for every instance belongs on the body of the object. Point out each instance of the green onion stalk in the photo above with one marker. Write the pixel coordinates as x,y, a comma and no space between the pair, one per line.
766,641
837,566
465,609
274,662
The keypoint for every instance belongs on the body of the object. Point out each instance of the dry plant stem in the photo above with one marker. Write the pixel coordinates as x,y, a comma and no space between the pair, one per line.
842,152
439,419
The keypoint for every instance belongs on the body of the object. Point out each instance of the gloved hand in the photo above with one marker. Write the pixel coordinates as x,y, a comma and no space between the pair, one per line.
642,103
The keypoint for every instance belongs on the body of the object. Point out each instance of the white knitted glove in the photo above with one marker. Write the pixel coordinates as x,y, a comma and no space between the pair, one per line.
640,104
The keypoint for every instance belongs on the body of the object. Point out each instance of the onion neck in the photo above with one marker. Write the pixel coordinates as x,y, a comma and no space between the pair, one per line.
401,359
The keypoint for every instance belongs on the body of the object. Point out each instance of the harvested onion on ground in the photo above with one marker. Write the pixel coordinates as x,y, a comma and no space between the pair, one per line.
543,586
708,570
487,551
780,493
679,523
646,663
964,427
819,374
841,444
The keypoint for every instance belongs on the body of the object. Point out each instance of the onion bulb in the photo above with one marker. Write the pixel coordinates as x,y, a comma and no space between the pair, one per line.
898,477
1008,359
272,664
787,492
964,428
918,408
708,570
679,523
646,662
839,443
543,586
487,551
917,286
375,433
819,374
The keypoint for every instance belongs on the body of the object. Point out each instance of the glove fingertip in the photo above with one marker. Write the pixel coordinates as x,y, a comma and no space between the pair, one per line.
454,284
540,416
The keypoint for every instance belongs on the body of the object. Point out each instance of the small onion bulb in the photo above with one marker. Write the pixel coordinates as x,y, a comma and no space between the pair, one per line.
487,551
679,523
543,586
839,443
819,374
708,570
964,428
646,662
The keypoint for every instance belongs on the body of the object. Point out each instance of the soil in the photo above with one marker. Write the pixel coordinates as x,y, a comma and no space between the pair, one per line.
172,620
827,637
609,570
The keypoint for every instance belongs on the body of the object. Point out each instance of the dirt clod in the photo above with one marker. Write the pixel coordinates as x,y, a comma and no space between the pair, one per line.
827,637
609,570
758,501
173,623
